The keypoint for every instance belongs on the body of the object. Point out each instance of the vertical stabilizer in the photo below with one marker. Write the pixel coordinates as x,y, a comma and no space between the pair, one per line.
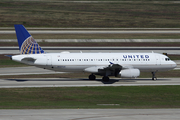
27,44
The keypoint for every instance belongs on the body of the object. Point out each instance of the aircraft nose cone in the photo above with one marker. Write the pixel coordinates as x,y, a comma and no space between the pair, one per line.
174,65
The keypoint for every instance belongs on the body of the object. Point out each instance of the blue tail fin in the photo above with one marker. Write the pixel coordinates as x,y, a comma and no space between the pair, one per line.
27,44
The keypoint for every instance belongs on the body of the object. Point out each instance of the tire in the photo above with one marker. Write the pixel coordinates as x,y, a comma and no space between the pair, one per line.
92,77
105,79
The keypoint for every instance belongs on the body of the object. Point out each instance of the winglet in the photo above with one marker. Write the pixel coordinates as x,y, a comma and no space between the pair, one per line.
27,44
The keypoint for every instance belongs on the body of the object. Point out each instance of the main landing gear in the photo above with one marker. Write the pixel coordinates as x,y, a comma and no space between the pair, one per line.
105,78
154,76
93,77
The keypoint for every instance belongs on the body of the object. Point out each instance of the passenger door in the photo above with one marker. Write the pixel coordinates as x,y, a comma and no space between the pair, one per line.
158,60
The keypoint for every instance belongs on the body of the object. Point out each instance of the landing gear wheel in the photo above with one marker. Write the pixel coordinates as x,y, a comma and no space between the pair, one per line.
105,78
92,77
153,76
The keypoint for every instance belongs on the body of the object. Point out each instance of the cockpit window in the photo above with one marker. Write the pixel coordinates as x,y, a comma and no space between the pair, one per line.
167,59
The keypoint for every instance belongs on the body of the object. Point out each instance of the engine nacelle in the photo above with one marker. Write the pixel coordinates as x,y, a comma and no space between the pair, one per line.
129,73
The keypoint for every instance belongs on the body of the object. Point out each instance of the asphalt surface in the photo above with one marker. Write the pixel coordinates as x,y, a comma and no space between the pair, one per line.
98,32
70,82
83,82
25,71
90,114
97,40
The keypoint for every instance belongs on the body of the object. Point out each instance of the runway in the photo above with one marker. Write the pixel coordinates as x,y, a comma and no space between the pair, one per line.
71,82
25,71
83,82
98,40
91,114
98,32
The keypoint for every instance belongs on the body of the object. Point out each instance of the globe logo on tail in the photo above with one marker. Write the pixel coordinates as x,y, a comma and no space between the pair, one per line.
30,46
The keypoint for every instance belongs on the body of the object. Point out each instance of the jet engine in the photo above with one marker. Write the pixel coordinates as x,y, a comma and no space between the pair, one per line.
129,73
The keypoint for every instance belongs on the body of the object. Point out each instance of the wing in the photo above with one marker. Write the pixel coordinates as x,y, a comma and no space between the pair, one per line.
109,70
116,70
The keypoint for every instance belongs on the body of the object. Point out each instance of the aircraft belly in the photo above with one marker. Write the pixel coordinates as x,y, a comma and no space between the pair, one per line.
81,68
69,68
154,67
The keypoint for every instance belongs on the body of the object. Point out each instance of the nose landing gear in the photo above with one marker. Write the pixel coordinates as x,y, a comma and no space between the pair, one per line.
154,76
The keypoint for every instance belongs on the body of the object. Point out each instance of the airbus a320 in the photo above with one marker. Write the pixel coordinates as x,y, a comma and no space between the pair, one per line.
125,65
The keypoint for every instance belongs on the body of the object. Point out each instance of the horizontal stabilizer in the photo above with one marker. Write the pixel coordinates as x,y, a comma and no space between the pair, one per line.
10,56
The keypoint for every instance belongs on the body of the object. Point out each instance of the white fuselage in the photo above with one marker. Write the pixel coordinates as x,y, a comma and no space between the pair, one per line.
76,62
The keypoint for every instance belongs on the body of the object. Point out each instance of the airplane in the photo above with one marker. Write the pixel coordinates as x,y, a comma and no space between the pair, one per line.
124,65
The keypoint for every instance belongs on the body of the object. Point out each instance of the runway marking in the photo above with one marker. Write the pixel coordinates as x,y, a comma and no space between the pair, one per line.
87,85
99,32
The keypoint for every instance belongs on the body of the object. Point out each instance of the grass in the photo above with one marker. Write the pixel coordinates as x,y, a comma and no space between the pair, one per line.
90,97
135,14
10,63
174,57
6,62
